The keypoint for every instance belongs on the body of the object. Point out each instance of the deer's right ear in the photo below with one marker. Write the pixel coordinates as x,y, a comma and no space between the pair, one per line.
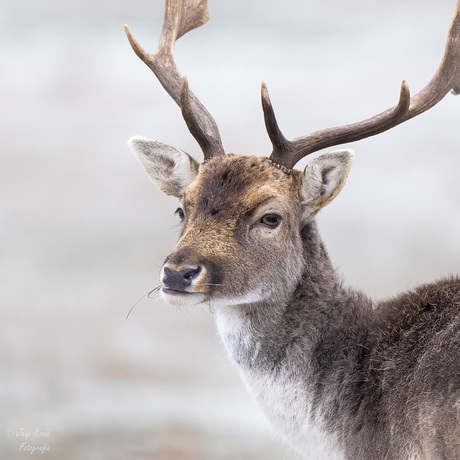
171,169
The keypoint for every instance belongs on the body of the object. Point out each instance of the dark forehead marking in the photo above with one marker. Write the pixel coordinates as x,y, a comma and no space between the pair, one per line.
226,180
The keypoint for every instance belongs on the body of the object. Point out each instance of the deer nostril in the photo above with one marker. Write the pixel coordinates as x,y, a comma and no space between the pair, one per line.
191,273
179,279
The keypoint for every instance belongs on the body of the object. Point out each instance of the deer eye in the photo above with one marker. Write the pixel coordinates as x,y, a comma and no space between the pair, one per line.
180,213
271,220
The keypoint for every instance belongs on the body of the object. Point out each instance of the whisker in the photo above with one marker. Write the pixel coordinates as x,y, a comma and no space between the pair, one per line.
176,227
143,297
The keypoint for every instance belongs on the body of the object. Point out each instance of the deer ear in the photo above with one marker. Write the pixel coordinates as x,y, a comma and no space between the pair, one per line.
323,179
171,169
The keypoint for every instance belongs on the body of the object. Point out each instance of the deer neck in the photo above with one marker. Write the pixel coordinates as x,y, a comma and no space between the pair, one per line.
257,334
288,352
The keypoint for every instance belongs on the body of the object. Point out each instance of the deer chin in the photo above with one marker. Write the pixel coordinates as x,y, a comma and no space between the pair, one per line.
182,298
190,299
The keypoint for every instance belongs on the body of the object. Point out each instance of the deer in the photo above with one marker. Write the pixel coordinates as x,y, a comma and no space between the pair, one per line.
337,373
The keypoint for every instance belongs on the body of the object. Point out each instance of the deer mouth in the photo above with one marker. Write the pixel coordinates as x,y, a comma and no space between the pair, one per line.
181,298
170,291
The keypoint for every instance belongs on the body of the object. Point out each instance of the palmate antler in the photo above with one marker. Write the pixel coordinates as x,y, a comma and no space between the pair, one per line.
287,153
182,16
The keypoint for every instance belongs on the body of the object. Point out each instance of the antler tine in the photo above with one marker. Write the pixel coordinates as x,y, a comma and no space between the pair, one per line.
181,16
293,151
281,145
447,78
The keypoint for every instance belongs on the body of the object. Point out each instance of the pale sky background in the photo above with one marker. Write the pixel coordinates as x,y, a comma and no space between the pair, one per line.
84,231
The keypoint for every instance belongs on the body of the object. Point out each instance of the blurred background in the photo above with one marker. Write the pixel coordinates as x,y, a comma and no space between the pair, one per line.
84,231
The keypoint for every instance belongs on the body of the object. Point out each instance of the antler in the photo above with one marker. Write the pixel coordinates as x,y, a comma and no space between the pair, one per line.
447,78
182,16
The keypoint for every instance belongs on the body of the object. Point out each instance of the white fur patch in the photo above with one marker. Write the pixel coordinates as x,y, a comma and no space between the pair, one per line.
284,398
252,297
285,404
184,300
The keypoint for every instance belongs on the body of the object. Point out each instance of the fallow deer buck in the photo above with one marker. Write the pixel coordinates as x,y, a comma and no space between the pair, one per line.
334,371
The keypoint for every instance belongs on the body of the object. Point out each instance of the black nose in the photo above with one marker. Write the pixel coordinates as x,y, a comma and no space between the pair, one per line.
179,280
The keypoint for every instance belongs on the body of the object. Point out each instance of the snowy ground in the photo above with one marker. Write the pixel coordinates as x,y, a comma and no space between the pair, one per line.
83,231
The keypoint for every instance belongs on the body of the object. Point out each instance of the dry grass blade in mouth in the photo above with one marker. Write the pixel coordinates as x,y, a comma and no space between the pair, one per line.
143,297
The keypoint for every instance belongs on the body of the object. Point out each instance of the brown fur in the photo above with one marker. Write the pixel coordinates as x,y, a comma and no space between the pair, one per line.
226,194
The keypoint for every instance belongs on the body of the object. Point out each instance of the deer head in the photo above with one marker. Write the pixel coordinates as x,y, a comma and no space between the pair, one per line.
242,216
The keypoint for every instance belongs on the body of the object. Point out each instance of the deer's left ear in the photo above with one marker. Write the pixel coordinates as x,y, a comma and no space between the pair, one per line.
323,179
171,169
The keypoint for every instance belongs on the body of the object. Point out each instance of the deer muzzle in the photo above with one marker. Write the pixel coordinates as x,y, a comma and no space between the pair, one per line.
188,277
